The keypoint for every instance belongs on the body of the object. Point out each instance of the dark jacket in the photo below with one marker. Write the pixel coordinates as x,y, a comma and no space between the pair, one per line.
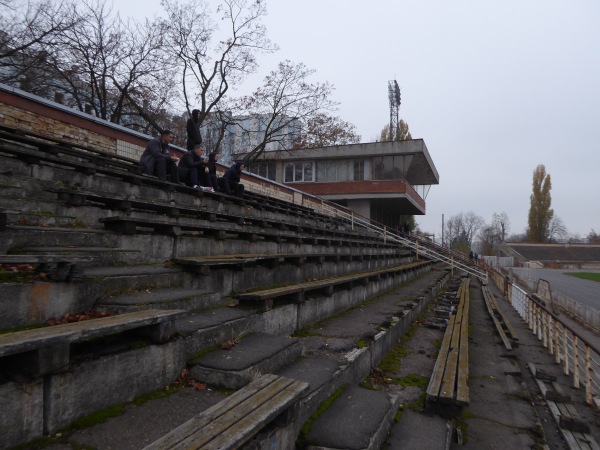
212,165
234,173
193,133
189,160
155,149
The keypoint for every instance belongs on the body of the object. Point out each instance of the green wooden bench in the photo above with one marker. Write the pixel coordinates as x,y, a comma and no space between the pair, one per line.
41,351
235,420
448,383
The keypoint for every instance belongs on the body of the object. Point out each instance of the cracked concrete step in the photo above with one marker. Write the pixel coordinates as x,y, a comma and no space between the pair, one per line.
255,354
166,298
359,419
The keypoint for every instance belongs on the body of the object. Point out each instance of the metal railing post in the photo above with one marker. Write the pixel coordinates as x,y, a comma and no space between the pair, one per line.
575,362
588,375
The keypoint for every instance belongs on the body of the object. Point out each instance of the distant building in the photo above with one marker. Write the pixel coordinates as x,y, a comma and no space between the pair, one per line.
381,181
243,133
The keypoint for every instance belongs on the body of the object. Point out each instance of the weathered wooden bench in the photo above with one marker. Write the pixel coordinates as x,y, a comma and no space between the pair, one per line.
448,383
203,264
235,420
57,267
503,326
297,292
41,351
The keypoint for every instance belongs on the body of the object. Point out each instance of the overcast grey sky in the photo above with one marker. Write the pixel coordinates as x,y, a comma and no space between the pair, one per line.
494,88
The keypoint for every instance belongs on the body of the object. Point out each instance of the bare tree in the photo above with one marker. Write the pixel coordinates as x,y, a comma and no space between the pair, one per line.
117,70
557,231
493,234
284,101
27,32
461,229
324,130
211,59
593,237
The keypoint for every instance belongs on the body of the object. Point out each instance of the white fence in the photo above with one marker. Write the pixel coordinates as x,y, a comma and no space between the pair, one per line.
578,358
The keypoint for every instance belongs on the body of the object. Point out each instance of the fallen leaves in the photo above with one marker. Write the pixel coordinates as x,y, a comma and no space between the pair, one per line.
77,317
185,380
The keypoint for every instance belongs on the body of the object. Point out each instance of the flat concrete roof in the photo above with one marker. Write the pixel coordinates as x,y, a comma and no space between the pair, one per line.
421,172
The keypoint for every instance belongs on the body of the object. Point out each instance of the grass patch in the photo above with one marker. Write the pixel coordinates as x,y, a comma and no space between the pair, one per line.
206,351
99,417
585,275
461,425
413,380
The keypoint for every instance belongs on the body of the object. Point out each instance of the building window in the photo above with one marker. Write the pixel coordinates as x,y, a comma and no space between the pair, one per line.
299,171
265,169
391,167
359,170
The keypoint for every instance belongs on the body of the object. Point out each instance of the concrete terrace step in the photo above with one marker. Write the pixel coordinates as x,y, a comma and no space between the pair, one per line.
166,298
97,255
29,236
40,217
255,354
358,419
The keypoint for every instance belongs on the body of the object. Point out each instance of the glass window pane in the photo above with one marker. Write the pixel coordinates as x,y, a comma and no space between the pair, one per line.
398,171
378,168
388,166
359,170
298,171
289,172
271,170
343,173
308,171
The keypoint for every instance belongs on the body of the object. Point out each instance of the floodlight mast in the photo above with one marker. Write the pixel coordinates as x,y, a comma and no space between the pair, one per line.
394,96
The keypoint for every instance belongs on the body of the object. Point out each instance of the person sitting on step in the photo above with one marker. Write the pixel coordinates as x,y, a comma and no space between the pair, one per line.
230,181
193,168
156,159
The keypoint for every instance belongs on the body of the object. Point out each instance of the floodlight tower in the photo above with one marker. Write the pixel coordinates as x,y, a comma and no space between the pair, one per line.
394,96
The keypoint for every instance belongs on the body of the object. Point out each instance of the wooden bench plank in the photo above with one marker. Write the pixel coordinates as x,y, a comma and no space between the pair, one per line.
202,436
323,283
186,429
462,388
488,303
435,383
244,429
505,321
230,423
28,340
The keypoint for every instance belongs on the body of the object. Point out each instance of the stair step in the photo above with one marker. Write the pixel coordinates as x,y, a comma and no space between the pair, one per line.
166,298
420,432
254,354
39,218
24,236
98,255
358,419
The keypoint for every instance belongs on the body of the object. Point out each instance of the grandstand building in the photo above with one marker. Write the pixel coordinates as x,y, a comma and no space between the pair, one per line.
381,181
